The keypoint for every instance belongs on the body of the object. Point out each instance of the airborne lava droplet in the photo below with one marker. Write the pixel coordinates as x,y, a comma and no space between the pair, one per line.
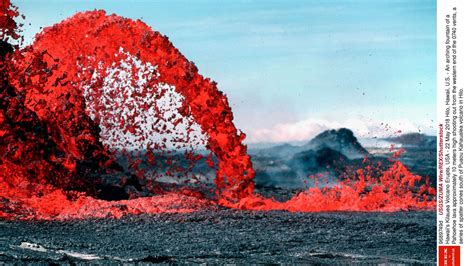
95,88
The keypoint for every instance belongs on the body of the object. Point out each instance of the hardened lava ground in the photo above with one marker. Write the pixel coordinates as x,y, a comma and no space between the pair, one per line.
227,236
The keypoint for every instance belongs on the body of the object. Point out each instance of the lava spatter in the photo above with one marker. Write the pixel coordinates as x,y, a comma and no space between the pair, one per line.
100,97
393,190
91,43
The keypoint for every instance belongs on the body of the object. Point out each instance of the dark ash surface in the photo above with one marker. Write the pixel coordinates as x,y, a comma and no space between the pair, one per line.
227,236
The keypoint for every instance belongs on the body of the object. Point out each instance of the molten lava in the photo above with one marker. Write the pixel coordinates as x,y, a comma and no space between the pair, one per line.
95,88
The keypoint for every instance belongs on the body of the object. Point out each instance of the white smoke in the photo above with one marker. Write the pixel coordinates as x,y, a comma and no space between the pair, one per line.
363,128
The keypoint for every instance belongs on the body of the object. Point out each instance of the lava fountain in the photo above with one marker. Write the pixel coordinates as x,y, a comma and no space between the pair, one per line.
96,87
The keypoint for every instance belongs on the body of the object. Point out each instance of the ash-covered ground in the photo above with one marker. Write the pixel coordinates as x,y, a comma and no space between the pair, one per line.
226,236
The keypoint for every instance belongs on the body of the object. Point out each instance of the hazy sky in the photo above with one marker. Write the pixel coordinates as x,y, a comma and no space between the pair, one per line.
294,68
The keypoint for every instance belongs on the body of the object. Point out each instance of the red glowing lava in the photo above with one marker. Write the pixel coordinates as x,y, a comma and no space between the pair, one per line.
393,191
95,87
